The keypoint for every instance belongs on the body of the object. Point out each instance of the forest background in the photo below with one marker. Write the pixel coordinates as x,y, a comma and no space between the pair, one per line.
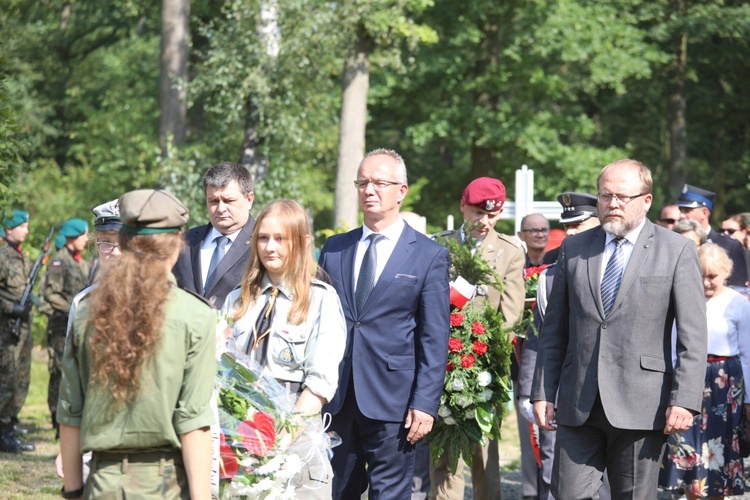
100,97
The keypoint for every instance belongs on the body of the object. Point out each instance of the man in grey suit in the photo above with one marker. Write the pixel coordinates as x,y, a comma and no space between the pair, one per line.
216,254
606,344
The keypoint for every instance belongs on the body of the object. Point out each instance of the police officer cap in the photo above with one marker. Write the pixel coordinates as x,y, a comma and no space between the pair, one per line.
108,216
694,197
19,217
73,228
151,211
577,207
486,193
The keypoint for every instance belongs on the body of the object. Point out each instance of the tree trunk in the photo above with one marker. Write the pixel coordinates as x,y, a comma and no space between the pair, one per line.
269,35
175,16
352,133
677,109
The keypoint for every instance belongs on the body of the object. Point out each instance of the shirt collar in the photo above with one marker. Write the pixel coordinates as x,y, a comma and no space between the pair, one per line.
392,232
266,285
213,234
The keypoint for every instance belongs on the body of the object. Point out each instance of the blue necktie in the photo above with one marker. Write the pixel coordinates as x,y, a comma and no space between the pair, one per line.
366,279
221,246
613,275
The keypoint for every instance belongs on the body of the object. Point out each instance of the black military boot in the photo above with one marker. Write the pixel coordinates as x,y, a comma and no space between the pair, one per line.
8,441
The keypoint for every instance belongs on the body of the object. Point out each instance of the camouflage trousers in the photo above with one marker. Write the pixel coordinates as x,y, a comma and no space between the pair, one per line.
116,476
15,368
56,330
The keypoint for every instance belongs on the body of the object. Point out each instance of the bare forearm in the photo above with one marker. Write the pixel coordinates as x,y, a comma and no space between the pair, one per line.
70,448
196,453
309,403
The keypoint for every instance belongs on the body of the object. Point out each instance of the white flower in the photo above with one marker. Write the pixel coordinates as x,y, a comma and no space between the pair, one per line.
484,379
457,385
449,421
443,411
712,454
469,415
485,395
463,401
271,466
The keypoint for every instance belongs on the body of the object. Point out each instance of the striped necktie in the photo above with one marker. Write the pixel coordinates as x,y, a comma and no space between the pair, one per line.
613,275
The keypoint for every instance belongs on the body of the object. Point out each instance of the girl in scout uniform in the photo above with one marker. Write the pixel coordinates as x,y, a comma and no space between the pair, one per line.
138,368
290,322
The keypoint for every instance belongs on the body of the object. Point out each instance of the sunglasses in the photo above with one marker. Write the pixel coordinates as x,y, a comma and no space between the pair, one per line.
668,221
728,231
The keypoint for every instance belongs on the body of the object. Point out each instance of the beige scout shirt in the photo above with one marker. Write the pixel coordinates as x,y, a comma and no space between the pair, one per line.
176,384
309,352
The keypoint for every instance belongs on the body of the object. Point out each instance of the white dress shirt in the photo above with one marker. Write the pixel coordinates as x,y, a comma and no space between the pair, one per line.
207,249
384,247
627,247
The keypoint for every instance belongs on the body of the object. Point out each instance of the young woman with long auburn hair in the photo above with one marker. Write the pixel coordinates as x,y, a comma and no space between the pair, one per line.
138,368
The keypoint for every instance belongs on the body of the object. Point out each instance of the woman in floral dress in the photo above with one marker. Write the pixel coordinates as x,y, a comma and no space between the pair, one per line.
705,460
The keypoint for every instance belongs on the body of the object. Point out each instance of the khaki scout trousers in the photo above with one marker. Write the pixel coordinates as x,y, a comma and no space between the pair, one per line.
116,476
485,476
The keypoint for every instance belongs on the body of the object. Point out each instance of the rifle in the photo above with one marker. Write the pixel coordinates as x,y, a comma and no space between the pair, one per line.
38,263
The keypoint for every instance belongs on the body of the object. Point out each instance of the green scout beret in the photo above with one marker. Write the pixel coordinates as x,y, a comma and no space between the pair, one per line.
73,228
151,211
60,241
107,216
19,217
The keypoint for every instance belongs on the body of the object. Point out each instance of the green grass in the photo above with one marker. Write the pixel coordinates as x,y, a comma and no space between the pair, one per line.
32,475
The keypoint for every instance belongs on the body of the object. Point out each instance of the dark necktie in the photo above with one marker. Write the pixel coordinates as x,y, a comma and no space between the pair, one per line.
257,346
221,246
613,275
366,278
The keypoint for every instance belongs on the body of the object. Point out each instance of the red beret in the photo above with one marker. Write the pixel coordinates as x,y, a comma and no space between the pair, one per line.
485,192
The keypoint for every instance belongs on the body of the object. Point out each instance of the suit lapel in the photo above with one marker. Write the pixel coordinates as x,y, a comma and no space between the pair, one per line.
401,254
641,250
195,258
347,267
238,248
594,252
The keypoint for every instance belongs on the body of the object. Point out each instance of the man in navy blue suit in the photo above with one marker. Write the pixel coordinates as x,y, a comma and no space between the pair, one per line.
396,302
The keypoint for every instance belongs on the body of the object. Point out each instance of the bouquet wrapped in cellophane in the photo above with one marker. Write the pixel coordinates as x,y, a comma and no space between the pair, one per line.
263,443
479,349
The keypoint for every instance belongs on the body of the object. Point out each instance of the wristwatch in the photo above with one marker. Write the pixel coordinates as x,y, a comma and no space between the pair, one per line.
71,494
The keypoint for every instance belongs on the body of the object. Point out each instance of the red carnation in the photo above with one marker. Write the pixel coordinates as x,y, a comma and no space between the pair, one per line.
467,360
258,434
450,366
477,328
479,348
457,319
454,344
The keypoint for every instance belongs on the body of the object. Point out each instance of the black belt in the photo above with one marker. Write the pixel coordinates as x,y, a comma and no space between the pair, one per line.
150,456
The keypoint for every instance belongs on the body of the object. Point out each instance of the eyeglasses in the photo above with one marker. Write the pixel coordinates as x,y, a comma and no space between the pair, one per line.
729,231
606,198
106,247
536,230
378,184
668,221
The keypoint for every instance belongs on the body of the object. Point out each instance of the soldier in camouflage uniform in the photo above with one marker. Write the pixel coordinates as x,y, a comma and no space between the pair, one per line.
66,275
15,350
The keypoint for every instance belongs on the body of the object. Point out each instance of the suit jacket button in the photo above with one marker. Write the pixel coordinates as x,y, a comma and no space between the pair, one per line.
604,326
358,324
